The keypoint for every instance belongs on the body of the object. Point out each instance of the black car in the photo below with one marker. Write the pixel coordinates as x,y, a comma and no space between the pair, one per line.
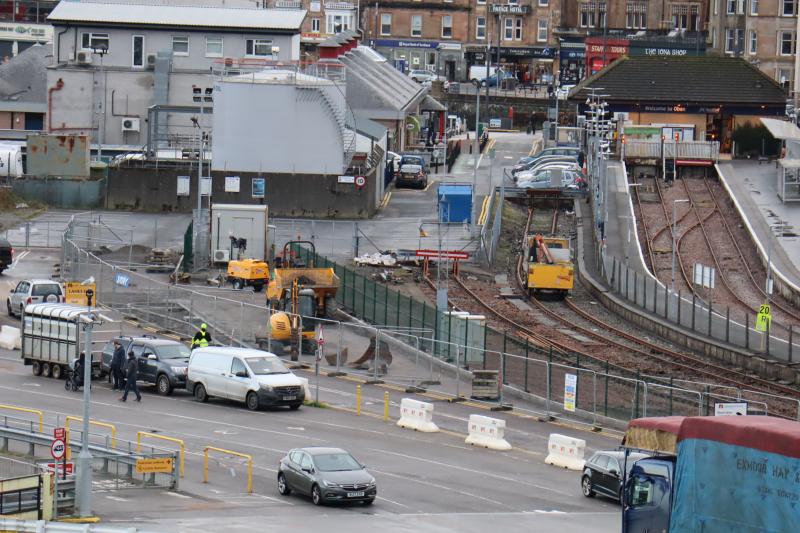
161,362
6,254
602,473
327,475
412,171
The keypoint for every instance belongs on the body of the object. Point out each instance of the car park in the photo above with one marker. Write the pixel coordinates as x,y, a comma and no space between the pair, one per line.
602,473
556,150
33,291
533,166
327,475
162,362
257,378
412,172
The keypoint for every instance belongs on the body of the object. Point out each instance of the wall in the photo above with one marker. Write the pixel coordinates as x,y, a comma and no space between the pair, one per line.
289,132
58,155
62,193
699,121
314,196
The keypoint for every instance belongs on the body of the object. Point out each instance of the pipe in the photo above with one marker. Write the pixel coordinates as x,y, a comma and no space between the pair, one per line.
58,43
58,86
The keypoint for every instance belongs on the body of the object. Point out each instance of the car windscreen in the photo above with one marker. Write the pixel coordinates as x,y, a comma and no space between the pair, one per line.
336,462
174,351
266,365
411,160
44,289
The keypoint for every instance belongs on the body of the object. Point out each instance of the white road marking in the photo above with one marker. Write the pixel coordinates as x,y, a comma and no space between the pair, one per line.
117,499
178,495
295,428
442,487
539,511
381,498
508,157
19,258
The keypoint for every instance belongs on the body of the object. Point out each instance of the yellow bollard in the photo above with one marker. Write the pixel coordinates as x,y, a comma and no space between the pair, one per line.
358,400
386,406
222,450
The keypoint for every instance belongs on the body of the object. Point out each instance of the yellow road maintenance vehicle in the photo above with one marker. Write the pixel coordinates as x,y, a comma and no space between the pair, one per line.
550,265
248,272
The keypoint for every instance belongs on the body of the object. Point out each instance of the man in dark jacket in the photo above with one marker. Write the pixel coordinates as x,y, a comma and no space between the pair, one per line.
117,362
131,374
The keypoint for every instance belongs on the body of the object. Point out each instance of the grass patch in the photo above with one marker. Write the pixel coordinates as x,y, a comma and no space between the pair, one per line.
321,405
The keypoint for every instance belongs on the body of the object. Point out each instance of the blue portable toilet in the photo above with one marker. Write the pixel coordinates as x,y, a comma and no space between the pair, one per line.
455,202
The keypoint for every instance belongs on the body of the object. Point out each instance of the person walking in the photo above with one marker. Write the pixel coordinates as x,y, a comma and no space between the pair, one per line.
202,338
117,362
131,374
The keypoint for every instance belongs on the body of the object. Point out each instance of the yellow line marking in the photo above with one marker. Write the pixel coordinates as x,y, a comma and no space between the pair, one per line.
429,185
385,201
484,214
150,329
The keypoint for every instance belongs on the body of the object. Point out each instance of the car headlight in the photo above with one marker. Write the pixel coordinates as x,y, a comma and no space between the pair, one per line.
179,370
266,388
371,484
329,483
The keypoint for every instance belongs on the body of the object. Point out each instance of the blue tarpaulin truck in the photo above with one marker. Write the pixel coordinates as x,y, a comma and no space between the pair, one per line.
724,474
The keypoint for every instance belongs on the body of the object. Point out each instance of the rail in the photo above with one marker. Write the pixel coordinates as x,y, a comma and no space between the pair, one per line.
180,442
27,410
112,427
229,452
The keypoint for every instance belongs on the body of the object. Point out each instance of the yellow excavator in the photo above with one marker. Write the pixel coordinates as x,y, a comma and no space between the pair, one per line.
298,290
550,265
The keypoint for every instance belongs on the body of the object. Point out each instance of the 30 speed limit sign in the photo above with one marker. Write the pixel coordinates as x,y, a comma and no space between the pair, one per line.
58,449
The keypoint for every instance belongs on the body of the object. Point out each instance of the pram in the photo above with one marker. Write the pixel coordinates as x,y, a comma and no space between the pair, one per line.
74,380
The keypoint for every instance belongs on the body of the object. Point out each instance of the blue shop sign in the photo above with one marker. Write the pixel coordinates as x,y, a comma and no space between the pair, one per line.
572,53
396,43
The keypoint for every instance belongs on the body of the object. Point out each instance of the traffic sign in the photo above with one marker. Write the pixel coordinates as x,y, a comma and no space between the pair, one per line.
763,318
730,408
62,467
154,466
60,433
445,254
361,181
79,294
58,449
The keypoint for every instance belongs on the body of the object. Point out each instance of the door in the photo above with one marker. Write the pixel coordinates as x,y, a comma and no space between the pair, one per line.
16,296
450,70
138,352
148,367
236,387
305,478
613,480
218,372
292,472
137,59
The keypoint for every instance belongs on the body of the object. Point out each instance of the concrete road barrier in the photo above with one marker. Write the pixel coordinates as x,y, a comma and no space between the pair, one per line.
417,415
487,432
10,338
306,389
566,452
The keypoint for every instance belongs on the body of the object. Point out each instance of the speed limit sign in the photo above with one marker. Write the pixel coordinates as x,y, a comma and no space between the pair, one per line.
360,181
58,449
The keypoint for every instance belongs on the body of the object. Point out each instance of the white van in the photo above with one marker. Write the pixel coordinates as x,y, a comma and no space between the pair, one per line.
257,378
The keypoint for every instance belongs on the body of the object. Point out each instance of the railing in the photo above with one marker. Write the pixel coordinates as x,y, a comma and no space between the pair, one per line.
179,442
249,459
339,5
288,4
231,66
702,150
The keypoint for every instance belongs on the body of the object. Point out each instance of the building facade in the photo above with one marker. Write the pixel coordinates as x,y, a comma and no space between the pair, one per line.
324,19
114,62
23,23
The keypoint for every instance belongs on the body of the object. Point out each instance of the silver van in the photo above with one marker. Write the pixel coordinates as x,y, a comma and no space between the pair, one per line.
257,378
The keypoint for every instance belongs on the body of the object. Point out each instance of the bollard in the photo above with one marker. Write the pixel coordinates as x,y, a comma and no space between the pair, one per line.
358,400
386,406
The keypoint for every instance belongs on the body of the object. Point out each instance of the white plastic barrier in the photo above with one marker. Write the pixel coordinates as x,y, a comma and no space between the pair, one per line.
306,389
566,452
417,415
487,432
9,338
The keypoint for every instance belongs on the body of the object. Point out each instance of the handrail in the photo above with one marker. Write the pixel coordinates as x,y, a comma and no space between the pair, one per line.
91,423
230,452
140,434
26,410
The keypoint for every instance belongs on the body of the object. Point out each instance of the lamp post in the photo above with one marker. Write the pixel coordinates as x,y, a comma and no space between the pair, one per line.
199,95
476,150
674,236
768,288
101,51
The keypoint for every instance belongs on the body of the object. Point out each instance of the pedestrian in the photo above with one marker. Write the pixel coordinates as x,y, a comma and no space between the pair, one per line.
117,362
78,369
131,375
202,338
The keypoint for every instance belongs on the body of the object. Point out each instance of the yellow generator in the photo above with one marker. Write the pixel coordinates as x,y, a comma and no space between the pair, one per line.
550,265
248,272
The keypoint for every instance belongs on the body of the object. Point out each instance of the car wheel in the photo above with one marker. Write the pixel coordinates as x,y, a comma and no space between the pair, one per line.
586,487
252,401
8,306
316,495
46,370
37,368
56,371
238,284
163,386
283,487
200,393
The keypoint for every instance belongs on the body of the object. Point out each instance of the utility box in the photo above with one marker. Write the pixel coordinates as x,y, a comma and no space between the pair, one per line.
485,384
455,202
58,155
247,224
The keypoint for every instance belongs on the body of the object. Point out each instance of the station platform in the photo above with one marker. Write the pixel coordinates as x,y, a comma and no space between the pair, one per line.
753,186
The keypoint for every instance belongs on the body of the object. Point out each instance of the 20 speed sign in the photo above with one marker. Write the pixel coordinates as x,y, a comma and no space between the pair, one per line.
58,449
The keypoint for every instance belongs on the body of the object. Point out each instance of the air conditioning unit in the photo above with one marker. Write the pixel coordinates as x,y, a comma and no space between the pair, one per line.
222,256
130,124
151,61
84,58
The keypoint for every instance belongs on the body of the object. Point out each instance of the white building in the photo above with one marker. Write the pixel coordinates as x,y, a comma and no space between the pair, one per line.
117,63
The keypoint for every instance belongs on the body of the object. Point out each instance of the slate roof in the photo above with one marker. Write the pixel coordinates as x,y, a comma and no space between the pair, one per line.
704,79
23,79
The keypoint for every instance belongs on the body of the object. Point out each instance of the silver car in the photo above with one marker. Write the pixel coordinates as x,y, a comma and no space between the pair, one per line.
530,174
33,291
327,475
543,180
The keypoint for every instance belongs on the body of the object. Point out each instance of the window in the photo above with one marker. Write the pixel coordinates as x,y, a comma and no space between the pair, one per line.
314,25
544,3
754,7
740,7
137,57
338,22
636,16
480,28
180,46
587,15
786,43
481,2
752,46
508,29
541,34
641,492
518,29
602,16
714,38
305,462
783,76
258,47
416,25
213,46
20,501
237,366
716,7
731,7
733,40
687,17
447,26
386,23
94,41
789,8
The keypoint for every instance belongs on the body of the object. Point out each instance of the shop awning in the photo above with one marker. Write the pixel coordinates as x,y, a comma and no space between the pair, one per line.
429,103
781,129
789,163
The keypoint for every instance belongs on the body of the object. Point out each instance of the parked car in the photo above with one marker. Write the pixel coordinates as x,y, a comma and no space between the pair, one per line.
254,377
162,362
602,473
412,172
6,254
570,179
555,151
33,291
533,166
420,76
498,77
327,475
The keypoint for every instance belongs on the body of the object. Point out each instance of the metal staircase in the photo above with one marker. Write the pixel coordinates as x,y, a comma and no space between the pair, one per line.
324,94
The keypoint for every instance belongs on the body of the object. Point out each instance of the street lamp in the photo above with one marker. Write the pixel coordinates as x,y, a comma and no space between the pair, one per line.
101,51
768,288
441,292
478,84
674,237
199,95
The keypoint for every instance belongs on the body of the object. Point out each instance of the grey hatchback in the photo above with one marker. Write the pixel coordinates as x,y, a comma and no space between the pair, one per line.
327,475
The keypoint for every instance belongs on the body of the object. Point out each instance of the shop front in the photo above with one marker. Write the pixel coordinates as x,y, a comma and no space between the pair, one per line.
16,37
530,64
572,62
602,51
444,58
